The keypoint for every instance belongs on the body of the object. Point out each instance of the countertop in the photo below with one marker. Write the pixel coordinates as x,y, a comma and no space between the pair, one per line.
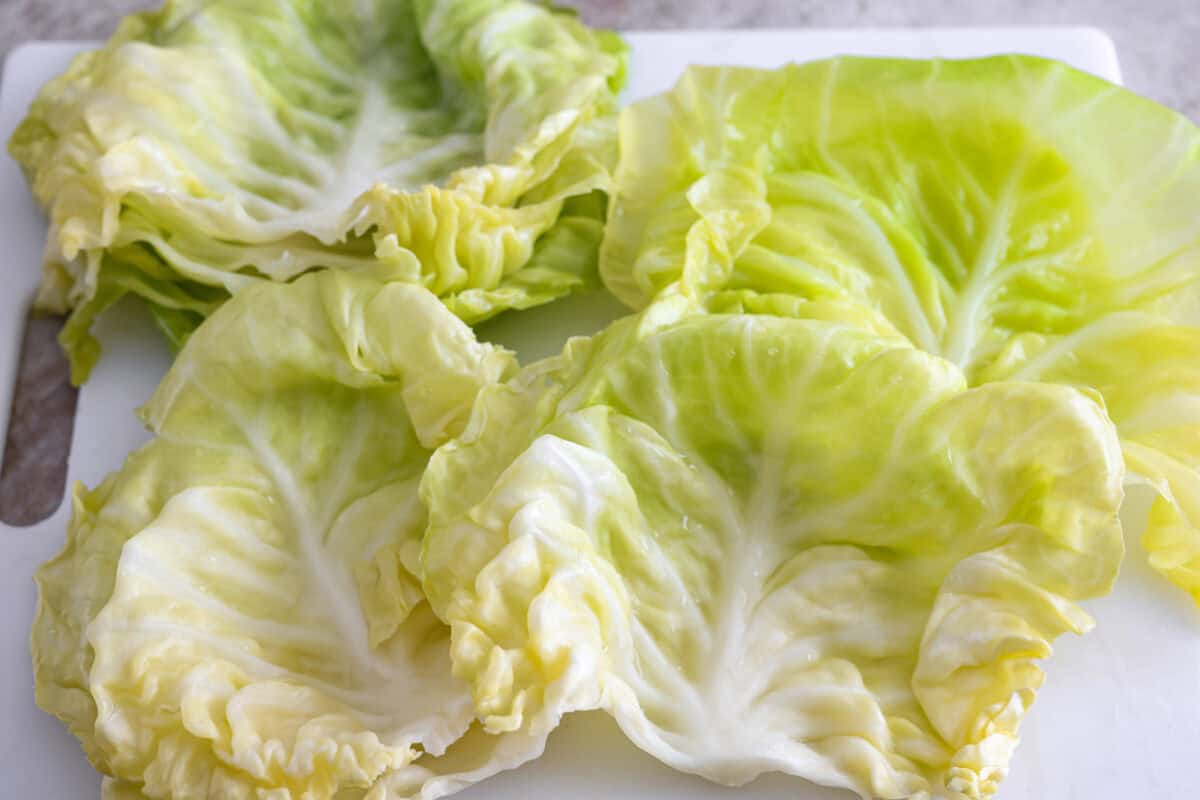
1156,41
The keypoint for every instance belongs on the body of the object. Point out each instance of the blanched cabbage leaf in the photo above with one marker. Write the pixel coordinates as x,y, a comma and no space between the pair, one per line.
236,613
772,544
212,144
1017,217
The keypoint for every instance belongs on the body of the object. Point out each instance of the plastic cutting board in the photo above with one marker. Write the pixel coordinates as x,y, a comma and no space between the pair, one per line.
1118,719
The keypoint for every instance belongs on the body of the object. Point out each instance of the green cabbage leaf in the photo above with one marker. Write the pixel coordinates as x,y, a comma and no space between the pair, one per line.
210,145
1019,218
237,611
768,543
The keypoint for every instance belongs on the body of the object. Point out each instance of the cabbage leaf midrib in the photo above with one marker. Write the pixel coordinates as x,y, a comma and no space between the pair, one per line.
315,187
330,577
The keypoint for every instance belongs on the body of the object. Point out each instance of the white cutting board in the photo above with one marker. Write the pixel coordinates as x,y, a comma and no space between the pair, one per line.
1119,718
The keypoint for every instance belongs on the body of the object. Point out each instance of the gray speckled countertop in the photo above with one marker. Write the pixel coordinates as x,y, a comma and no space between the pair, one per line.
1156,41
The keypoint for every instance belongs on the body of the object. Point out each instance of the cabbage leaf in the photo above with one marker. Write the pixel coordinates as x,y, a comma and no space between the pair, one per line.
1015,216
237,611
210,145
772,544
